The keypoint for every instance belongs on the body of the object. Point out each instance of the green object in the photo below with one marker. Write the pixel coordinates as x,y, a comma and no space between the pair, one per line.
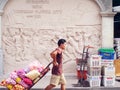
108,50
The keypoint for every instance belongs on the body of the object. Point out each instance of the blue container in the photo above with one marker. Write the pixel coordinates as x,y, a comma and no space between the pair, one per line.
107,53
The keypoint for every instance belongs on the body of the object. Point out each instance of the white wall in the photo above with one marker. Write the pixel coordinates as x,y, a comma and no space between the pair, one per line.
31,28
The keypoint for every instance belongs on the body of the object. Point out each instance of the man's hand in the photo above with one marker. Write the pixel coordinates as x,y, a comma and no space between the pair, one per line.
55,63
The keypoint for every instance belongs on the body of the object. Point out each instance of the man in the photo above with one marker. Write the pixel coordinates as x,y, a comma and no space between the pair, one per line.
57,71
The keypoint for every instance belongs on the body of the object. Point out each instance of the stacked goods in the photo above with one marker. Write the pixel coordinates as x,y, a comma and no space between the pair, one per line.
23,79
94,70
108,81
108,69
108,73
94,61
108,55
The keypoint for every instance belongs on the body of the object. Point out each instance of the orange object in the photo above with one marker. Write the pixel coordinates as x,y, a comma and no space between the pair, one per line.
79,74
117,67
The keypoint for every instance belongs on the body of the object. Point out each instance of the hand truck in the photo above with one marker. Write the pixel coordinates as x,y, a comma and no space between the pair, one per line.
85,55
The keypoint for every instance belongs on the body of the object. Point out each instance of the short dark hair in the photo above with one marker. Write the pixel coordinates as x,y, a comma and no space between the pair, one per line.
61,41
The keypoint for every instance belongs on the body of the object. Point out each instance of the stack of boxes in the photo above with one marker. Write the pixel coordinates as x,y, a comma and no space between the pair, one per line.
108,76
107,64
94,70
108,55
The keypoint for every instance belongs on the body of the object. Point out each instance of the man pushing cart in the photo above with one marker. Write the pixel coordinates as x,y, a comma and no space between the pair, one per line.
25,79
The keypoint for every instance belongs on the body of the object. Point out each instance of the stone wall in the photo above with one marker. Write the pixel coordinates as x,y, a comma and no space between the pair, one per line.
31,28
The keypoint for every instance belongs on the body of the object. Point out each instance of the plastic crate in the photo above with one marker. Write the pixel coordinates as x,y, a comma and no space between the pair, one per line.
108,70
108,81
94,81
107,53
94,61
106,62
94,71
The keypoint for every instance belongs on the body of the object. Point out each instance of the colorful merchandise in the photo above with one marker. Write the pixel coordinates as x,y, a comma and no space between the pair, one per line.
23,79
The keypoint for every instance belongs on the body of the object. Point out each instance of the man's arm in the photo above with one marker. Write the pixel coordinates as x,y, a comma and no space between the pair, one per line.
53,55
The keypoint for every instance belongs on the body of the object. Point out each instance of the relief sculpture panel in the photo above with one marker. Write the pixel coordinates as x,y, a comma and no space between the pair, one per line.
31,28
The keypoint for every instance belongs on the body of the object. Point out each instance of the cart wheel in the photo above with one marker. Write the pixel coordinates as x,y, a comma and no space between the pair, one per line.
86,84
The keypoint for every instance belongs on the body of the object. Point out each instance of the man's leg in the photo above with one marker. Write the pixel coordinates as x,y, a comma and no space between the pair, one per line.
53,82
49,87
63,87
63,82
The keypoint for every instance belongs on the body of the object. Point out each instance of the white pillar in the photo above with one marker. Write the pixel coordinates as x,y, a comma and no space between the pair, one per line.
107,29
2,5
1,53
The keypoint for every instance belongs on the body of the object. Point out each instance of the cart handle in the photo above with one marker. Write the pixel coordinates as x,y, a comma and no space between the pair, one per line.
49,64
89,46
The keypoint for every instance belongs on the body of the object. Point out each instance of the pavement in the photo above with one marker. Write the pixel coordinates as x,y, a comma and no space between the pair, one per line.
72,81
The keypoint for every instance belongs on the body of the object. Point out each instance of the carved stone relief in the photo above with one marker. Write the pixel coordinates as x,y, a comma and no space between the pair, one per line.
31,29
